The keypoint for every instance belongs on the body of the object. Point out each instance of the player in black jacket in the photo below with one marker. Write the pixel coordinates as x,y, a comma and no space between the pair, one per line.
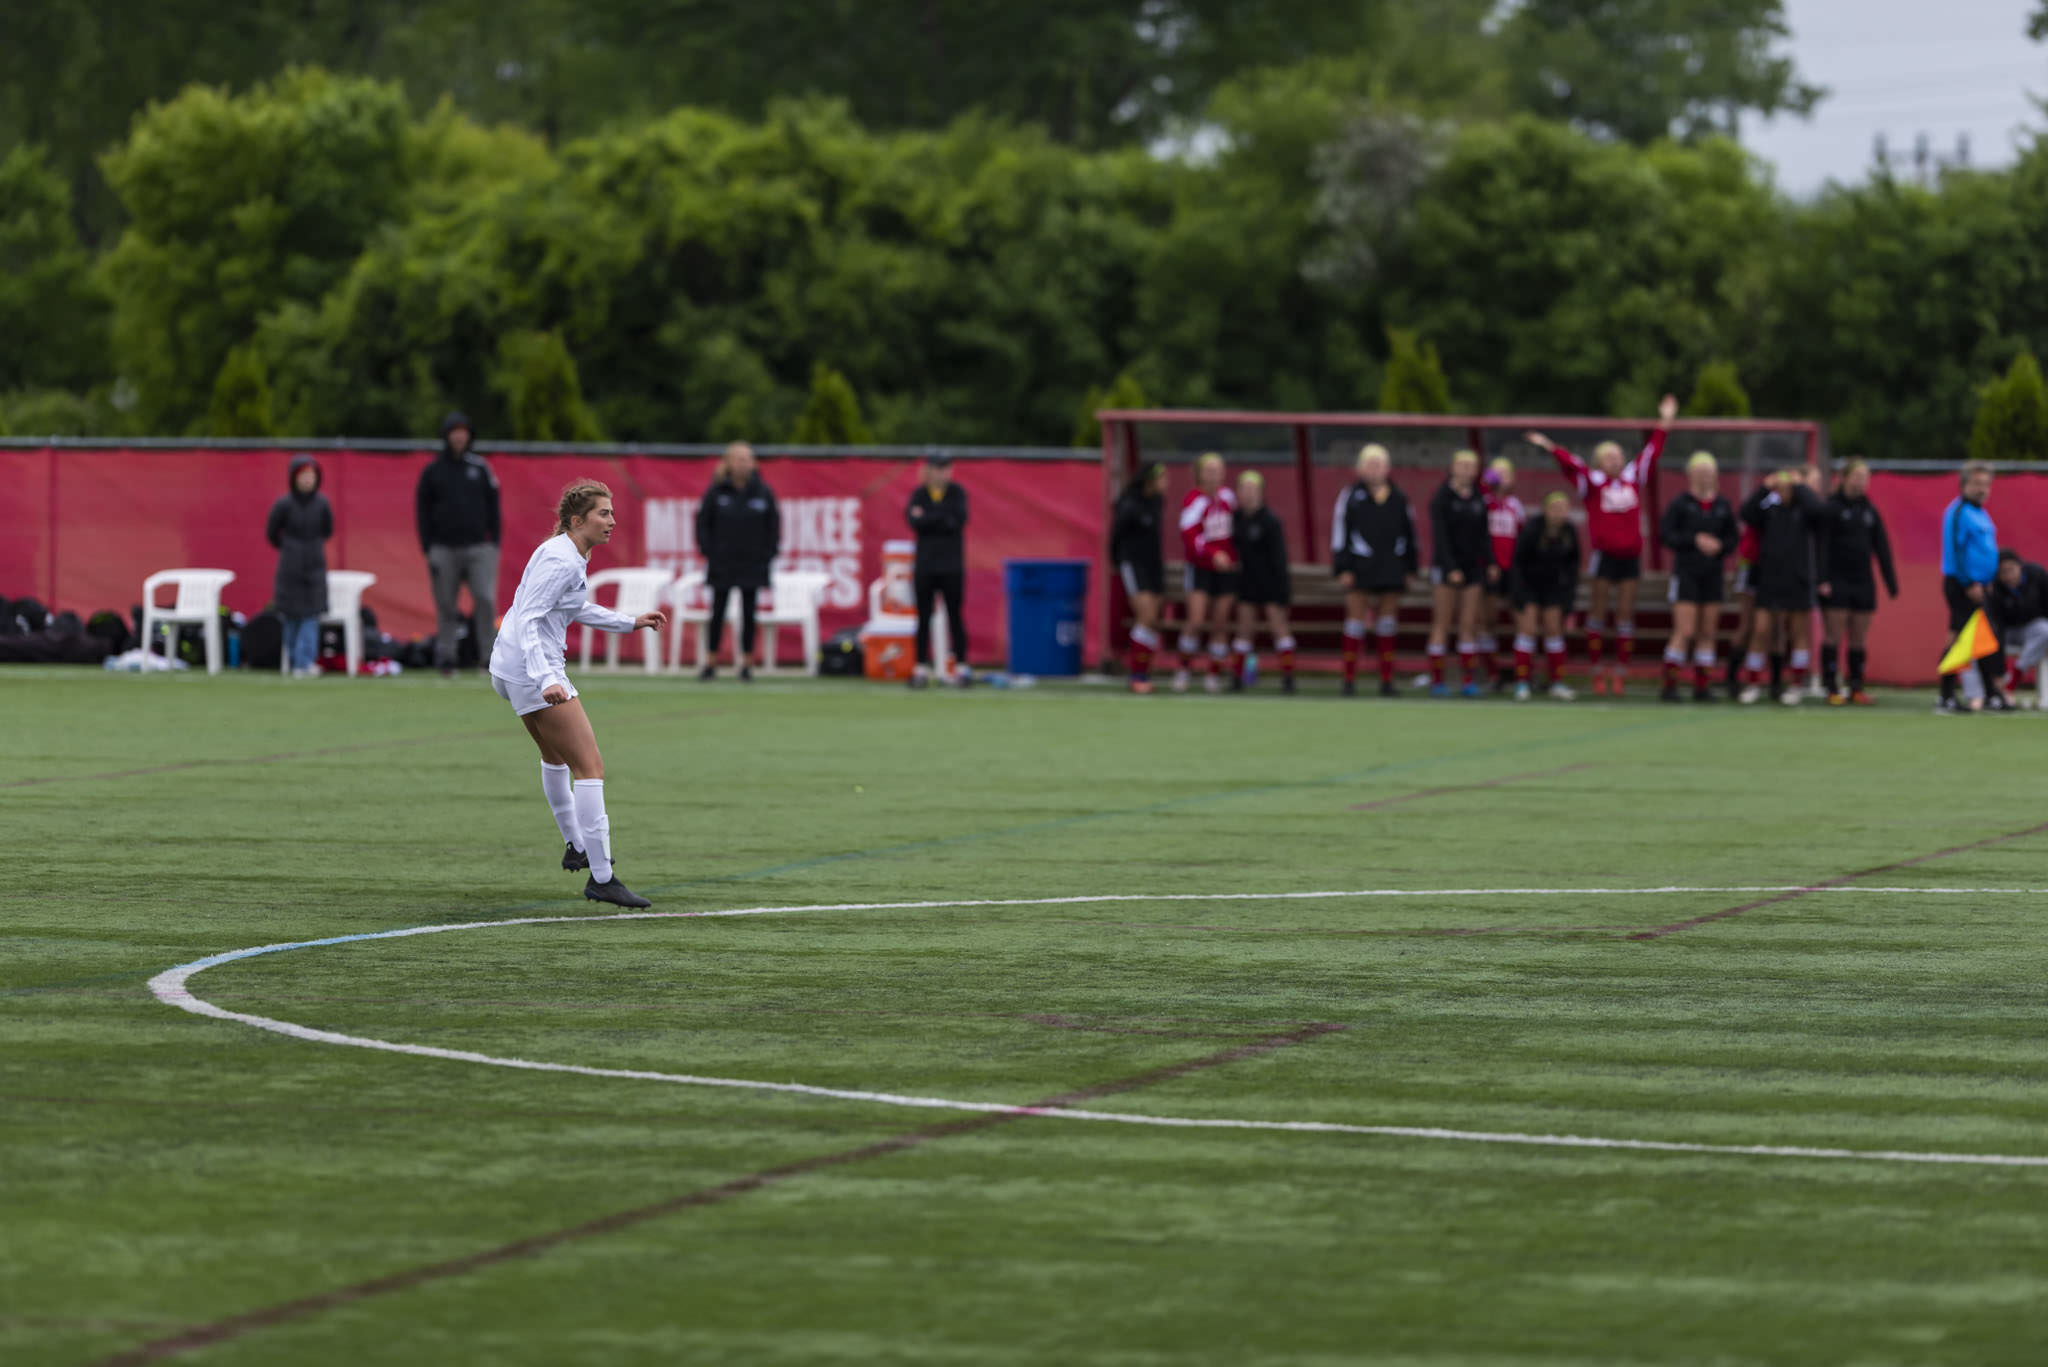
1851,533
1462,566
1699,530
1372,551
1265,586
937,515
1544,584
1785,513
1140,562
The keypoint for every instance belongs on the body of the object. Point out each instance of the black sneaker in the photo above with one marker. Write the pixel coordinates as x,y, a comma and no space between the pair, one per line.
1996,702
614,892
1350,689
746,673
574,859
707,673
1387,689
1949,707
1704,694
1286,683
1237,683
1670,694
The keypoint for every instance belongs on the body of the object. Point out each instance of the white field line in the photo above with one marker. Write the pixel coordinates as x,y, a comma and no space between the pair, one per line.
170,987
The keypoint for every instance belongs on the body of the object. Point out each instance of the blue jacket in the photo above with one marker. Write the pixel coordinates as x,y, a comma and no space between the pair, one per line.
1969,543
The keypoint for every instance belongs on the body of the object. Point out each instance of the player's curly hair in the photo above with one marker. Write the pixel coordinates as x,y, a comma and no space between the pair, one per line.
578,498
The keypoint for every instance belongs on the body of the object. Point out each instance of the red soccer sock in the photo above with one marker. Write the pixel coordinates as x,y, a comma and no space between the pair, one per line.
1624,648
1284,648
1525,665
1596,646
1468,663
1703,677
1386,659
1553,660
1436,665
1352,646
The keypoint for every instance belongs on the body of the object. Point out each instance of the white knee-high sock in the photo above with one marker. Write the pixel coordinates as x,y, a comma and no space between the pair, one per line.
597,831
561,793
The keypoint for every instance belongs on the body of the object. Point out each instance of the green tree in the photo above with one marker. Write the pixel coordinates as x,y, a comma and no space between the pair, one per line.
237,206
1718,393
241,404
1639,70
53,319
2012,415
536,376
1122,392
832,415
53,413
1415,380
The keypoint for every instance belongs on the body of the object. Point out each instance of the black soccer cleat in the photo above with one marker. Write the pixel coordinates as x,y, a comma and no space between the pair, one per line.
1286,683
614,892
707,673
1350,688
574,859
1704,694
1670,693
1387,689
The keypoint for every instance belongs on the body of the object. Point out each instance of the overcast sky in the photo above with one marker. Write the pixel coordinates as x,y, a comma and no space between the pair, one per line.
1901,68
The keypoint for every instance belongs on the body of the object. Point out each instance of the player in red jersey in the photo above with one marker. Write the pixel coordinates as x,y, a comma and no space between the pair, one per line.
1504,518
1612,489
1206,524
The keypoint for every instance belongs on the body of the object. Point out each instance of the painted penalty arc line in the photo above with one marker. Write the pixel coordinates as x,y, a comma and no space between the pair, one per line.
170,987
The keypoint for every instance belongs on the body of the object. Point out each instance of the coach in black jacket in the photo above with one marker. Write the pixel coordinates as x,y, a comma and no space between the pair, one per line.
456,506
739,532
937,515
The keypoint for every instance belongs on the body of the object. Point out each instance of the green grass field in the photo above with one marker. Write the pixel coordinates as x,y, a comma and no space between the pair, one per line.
179,1188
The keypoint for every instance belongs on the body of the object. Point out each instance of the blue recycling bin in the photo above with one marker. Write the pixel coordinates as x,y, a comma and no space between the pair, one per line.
1048,605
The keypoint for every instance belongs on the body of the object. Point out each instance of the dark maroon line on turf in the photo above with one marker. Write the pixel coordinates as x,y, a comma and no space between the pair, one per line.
285,756
235,1326
1840,880
1327,930
1500,782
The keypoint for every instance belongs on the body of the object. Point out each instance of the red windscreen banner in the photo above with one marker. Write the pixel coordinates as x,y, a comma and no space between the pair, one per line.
89,524
92,523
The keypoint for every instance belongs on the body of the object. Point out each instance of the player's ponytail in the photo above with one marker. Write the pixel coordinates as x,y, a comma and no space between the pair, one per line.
577,500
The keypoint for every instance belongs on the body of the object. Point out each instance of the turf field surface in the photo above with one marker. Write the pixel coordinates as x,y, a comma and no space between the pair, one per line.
181,1188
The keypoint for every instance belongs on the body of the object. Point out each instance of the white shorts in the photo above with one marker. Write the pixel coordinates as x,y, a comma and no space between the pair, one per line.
524,694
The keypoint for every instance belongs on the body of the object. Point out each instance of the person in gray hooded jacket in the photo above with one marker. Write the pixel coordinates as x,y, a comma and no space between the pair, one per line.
300,524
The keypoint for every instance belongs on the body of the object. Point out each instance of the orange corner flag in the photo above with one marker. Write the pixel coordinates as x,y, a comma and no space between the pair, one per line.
1974,642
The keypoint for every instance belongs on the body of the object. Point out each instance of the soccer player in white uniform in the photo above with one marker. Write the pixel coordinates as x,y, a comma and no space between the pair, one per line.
527,671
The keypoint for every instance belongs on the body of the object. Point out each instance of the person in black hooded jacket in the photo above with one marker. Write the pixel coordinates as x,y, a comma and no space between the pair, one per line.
1851,534
299,527
456,506
1786,515
739,532
1135,549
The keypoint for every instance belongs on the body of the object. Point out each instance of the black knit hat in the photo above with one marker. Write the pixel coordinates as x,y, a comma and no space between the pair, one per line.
454,420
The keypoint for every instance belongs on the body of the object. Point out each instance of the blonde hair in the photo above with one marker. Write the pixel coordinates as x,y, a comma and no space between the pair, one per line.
1207,459
1702,460
1372,450
578,498
1604,447
1465,454
1253,478
1501,465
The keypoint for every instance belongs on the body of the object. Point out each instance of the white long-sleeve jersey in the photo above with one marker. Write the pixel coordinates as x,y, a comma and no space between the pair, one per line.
553,591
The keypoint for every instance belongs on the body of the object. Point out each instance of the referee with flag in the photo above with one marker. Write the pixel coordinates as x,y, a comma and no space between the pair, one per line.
1969,564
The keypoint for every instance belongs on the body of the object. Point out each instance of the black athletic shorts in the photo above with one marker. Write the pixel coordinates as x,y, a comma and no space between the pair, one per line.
1263,589
1614,568
1395,581
1215,583
1784,596
1542,594
1139,578
1700,586
1852,596
1475,574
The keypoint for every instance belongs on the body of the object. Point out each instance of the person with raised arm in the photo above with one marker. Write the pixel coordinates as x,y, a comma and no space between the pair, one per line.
1612,488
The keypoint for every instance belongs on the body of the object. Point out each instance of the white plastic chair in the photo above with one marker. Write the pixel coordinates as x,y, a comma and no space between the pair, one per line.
640,590
795,600
198,601
345,590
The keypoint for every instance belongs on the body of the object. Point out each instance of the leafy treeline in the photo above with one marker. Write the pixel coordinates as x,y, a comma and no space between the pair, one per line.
323,253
